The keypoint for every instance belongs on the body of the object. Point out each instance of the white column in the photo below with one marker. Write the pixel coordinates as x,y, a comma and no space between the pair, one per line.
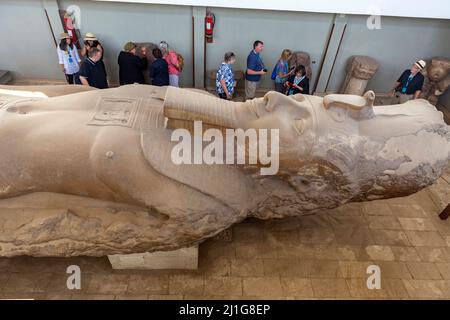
198,13
52,9
340,23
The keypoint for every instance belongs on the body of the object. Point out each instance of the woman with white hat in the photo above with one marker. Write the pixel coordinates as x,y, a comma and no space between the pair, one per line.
91,41
69,60
409,85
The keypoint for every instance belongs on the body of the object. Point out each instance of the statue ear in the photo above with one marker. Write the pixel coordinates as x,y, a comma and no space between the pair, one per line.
349,101
356,106
270,100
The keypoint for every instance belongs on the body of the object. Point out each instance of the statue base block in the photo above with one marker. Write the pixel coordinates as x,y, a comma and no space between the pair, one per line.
185,258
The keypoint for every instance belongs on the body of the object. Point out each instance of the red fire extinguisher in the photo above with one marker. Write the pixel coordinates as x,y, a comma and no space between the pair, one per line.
210,20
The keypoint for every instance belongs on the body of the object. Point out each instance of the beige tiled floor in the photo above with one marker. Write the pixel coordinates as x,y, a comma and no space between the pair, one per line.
323,256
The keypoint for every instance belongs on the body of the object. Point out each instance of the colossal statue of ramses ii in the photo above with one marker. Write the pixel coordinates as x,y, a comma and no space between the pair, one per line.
92,172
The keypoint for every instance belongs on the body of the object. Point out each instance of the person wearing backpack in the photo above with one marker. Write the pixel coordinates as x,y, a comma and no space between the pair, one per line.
281,71
174,61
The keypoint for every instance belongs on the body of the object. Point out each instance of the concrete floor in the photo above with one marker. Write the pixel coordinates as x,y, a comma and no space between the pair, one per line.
323,256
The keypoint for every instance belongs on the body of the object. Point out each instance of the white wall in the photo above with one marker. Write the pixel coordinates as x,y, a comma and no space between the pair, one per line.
27,48
396,46
401,8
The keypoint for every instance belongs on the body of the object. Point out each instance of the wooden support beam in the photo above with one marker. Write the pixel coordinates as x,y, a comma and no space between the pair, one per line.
445,213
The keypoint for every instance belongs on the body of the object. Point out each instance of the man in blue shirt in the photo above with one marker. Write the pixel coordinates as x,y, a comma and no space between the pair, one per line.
409,85
255,68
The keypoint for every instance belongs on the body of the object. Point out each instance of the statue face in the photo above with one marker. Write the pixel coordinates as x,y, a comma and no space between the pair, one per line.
332,142
309,131
294,117
438,69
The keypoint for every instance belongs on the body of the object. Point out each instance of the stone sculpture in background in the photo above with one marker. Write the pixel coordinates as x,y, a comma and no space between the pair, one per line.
360,69
93,174
301,58
437,79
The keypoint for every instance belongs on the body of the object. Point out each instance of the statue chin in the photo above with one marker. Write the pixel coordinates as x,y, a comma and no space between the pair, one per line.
91,172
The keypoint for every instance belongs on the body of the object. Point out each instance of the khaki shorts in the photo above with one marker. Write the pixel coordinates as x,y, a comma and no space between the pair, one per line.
250,89
401,98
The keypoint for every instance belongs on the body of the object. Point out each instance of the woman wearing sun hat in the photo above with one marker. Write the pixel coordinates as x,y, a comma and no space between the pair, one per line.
68,58
91,41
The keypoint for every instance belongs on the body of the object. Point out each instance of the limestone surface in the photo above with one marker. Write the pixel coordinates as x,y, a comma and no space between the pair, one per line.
92,173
